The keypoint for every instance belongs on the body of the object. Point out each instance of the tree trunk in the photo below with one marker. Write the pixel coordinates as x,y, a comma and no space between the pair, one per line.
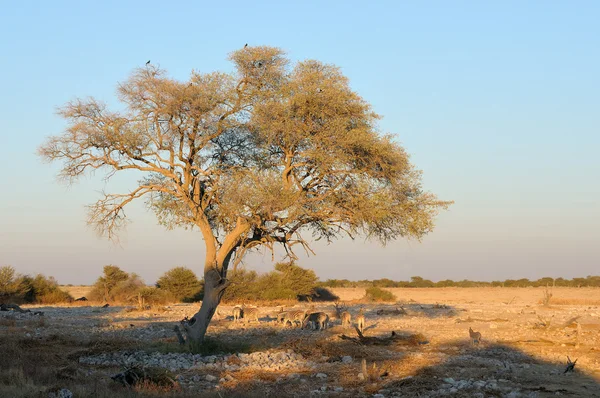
214,287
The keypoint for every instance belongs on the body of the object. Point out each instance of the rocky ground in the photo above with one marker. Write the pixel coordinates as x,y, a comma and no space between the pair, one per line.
523,351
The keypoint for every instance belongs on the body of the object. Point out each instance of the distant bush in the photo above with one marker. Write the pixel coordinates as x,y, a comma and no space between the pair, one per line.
320,294
182,284
378,294
25,289
118,286
287,282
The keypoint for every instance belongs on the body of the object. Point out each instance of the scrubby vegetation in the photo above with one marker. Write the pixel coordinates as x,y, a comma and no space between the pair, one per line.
118,286
287,282
417,281
374,293
27,289
182,284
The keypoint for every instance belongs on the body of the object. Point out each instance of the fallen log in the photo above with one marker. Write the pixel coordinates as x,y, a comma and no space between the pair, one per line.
393,339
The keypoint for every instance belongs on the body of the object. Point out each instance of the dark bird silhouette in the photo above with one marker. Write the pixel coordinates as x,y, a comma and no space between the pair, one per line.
148,63
245,45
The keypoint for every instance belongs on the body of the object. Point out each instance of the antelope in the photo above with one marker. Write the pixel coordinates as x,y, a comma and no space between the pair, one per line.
318,320
475,336
346,319
360,320
237,313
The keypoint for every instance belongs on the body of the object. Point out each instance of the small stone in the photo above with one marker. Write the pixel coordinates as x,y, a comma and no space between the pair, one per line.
210,378
449,380
347,359
338,389
321,376
361,376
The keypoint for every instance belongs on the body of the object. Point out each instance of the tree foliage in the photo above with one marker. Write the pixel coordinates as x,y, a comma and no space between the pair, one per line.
256,157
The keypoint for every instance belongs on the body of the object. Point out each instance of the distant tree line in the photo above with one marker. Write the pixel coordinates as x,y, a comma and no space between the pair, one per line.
417,281
288,281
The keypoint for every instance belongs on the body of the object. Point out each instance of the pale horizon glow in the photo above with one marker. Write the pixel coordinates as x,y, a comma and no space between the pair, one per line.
498,104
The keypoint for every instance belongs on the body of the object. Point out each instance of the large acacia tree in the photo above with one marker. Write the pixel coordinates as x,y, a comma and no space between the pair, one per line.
261,157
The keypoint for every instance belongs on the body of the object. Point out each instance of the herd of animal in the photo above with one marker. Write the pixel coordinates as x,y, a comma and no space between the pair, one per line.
316,320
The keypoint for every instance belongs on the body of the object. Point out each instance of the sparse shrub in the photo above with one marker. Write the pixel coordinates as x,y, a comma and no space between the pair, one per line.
118,286
243,285
7,281
320,294
547,297
150,295
287,282
24,288
377,294
182,284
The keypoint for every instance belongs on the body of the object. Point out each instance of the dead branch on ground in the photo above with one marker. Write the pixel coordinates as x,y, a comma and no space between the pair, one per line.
393,339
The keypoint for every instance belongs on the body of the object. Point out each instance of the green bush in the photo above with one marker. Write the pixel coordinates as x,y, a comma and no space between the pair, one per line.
25,289
378,294
287,282
117,286
182,284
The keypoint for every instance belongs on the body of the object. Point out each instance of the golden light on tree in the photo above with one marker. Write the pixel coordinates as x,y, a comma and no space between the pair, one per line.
258,158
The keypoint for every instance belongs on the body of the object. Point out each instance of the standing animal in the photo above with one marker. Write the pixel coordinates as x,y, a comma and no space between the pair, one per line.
249,313
237,313
281,316
293,317
360,320
475,336
318,320
346,319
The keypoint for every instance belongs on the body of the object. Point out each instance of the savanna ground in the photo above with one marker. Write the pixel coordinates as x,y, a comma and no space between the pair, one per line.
523,351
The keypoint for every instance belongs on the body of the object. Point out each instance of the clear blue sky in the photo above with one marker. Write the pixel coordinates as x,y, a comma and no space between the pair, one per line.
498,103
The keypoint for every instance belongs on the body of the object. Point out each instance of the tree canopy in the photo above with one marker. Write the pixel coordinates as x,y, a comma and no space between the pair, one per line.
260,155
263,156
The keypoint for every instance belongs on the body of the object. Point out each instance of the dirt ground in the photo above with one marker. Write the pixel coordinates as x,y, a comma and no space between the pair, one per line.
522,353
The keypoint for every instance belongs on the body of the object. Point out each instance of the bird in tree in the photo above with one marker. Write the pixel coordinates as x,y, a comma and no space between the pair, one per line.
148,63
245,45
252,159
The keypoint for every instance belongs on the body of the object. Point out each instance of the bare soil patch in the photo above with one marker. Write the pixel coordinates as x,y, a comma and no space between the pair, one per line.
80,347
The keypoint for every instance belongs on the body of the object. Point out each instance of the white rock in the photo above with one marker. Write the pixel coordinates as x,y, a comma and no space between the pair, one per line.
347,359
210,378
321,376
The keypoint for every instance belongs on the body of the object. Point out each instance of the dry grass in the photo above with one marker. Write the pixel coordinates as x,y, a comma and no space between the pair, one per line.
35,366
